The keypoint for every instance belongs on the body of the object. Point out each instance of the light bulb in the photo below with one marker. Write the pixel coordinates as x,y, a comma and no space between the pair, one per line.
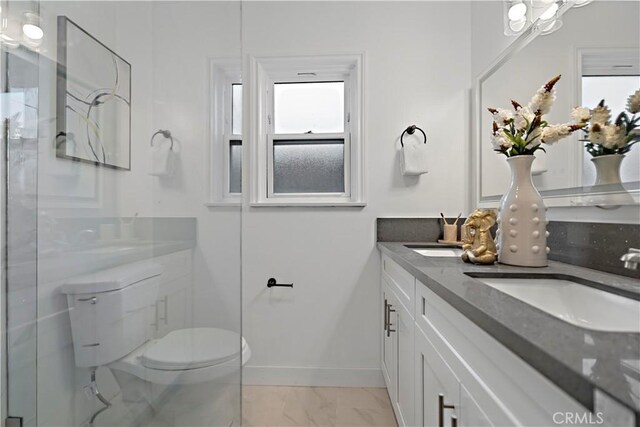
32,31
517,26
550,12
517,11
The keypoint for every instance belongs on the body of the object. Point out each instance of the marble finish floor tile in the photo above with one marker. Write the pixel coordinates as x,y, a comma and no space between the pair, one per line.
277,406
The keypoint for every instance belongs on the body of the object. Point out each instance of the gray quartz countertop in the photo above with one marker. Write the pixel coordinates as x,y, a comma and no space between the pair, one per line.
577,360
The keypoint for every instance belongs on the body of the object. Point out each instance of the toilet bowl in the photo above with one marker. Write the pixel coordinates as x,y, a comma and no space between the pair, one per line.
188,377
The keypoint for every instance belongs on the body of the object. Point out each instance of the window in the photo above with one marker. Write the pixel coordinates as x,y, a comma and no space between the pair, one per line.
306,124
226,134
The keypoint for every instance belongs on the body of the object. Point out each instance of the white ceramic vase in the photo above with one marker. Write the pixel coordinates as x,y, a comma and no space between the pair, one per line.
608,189
522,222
608,169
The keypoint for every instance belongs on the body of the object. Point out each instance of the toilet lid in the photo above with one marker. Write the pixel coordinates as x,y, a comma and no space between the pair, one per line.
192,348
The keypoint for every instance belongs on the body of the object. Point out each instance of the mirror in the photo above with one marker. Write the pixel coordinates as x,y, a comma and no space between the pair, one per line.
597,52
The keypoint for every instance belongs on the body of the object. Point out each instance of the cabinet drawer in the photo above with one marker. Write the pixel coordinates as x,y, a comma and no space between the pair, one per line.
507,389
401,282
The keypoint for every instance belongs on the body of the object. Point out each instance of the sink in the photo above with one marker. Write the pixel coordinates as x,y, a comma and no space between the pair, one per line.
574,300
438,251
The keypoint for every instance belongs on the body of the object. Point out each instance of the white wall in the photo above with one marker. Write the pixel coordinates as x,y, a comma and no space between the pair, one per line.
417,71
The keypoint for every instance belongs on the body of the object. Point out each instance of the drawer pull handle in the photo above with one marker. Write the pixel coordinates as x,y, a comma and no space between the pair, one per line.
441,407
389,311
90,300
386,319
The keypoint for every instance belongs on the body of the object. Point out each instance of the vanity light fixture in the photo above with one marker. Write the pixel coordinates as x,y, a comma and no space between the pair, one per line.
31,27
518,14
580,3
517,11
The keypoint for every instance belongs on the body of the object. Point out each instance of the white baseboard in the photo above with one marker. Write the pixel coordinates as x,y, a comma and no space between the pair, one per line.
320,377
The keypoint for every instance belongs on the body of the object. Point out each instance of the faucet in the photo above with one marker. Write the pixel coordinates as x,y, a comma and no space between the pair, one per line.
631,259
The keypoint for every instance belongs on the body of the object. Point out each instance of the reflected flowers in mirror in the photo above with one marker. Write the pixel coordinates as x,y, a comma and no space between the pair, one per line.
602,137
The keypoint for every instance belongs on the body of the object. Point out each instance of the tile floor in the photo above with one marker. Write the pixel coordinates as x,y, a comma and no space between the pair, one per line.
316,406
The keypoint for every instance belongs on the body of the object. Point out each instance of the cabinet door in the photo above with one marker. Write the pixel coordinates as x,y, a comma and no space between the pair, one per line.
171,310
406,378
434,378
471,415
389,346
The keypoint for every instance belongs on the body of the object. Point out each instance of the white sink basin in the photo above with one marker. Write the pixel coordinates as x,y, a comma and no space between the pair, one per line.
578,304
439,252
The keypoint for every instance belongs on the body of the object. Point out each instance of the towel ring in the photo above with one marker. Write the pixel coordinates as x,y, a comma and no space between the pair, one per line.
166,134
411,130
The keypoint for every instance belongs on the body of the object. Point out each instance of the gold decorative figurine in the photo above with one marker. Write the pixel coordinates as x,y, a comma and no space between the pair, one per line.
478,245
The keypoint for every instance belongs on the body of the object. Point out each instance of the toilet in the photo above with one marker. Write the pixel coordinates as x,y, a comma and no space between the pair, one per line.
188,377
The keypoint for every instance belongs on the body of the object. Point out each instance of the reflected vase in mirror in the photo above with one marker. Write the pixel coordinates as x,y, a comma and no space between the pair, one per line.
522,224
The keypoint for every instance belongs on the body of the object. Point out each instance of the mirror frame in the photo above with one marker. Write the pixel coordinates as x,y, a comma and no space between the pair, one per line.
564,197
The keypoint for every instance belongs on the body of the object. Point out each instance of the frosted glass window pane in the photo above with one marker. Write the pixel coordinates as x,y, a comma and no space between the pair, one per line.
236,109
308,166
235,167
303,107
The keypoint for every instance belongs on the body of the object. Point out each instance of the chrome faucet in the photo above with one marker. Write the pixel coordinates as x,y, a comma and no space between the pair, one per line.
631,259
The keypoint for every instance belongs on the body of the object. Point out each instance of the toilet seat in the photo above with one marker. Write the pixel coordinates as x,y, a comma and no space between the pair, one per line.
187,356
191,348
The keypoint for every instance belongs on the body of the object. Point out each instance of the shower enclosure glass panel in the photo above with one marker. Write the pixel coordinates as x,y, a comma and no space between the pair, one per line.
121,289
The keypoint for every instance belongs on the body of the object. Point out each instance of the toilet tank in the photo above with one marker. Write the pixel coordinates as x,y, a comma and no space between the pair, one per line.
112,311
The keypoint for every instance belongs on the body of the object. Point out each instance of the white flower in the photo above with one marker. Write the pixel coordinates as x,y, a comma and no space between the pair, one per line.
542,101
502,116
600,115
501,141
581,114
523,118
615,137
633,103
552,134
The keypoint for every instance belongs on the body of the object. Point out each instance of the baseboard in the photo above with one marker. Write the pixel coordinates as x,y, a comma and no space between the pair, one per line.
320,377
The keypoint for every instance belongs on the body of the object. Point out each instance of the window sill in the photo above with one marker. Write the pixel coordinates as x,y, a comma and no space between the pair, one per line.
292,204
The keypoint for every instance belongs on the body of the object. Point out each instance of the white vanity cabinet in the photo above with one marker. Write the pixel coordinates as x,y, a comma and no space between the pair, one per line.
441,369
174,296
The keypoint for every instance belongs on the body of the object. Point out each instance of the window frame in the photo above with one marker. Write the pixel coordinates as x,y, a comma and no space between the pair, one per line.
264,72
223,74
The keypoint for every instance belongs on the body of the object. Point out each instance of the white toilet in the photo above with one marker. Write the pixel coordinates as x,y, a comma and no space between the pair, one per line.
189,377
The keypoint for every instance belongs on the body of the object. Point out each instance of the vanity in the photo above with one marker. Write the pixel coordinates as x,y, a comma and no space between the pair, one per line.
459,351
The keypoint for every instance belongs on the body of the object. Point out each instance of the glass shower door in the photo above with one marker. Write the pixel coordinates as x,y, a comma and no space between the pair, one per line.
121,289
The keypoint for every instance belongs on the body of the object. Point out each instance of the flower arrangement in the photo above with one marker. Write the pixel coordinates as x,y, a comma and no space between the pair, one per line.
523,130
604,137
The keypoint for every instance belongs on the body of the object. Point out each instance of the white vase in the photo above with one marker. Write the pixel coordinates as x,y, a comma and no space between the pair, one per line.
522,222
608,169
608,178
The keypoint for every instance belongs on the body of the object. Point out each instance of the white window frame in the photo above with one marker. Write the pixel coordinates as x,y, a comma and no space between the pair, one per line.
263,73
223,74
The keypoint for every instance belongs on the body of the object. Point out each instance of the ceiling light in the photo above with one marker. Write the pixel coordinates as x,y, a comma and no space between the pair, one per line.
550,12
31,26
517,11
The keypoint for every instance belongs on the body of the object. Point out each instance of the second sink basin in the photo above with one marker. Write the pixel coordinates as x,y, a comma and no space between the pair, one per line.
573,300
446,251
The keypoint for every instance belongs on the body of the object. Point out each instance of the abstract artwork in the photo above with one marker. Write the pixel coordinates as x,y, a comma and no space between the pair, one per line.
93,100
